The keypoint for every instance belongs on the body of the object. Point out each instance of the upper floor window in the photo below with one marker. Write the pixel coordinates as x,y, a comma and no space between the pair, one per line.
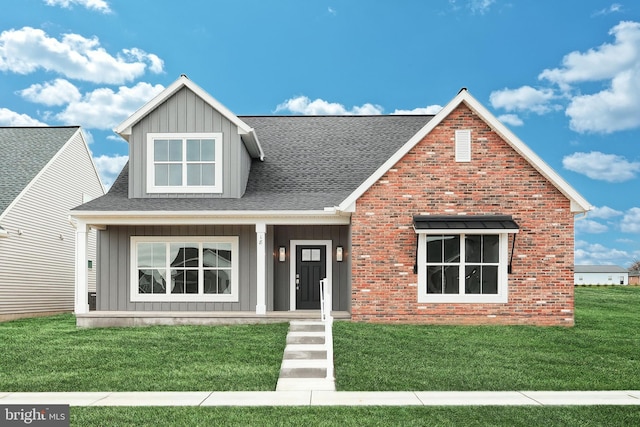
184,163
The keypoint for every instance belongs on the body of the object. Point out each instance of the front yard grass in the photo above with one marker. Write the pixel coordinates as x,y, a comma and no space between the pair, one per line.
51,354
525,416
600,353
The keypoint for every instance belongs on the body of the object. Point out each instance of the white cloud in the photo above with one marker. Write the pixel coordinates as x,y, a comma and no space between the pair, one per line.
589,226
600,166
332,11
58,92
610,110
109,167
98,5
28,49
616,107
511,119
596,253
103,108
604,212
602,63
11,118
524,98
615,7
319,107
631,221
480,6
428,110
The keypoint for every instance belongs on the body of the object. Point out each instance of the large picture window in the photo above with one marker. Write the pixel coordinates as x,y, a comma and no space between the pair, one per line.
462,267
186,163
184,268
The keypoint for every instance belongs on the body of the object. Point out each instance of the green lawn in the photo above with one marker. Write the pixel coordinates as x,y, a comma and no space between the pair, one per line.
359,416
51,354
602,352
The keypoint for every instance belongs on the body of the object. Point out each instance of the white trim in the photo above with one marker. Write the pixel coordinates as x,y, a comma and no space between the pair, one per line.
261,268
578,203
292,264
103,218
184,188
133,278
81,287
503,277
124,129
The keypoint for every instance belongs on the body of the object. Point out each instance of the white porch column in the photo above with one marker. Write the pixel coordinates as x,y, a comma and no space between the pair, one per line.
82,273
261,294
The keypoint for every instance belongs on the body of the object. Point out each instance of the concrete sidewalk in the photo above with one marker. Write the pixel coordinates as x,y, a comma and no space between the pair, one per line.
327,398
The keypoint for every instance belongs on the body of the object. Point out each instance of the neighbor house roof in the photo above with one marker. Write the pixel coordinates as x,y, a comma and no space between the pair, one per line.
311,162
25,153
599,269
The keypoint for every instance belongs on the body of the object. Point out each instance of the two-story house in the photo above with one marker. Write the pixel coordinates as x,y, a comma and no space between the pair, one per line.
447,218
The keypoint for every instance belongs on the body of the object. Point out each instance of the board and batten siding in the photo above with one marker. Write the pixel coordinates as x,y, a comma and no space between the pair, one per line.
341,280
37,259
186,112
114,269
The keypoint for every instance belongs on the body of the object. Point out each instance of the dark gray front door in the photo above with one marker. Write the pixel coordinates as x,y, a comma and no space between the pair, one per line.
311,267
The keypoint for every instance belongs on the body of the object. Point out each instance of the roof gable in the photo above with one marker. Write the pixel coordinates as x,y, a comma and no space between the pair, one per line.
27,151
249,136
578,203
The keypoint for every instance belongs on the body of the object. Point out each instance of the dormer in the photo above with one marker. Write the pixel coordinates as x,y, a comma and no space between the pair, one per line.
184,143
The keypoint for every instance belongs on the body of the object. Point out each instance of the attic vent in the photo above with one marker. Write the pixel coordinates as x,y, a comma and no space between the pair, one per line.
463,145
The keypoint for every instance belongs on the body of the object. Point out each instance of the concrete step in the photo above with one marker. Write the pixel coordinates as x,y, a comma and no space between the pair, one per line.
307,327
303,373
305,338
305,354
303,363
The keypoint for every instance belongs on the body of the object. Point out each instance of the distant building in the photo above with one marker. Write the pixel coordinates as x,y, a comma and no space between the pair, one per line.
634,277
600,275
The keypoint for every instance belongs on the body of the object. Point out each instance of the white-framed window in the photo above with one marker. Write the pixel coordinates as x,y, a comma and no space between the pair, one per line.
184,163
463,268
184,268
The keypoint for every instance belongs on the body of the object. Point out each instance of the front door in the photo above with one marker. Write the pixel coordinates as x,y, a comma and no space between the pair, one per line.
311,267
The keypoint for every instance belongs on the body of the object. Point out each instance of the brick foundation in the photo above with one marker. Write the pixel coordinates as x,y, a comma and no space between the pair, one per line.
497,181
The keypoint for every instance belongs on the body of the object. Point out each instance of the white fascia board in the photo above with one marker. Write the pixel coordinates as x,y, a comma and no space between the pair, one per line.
93,164
124,128
578,203
101,218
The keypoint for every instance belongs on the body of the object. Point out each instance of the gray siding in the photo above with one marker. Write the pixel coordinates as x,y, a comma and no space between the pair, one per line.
339,235
113,287
186,112
37,267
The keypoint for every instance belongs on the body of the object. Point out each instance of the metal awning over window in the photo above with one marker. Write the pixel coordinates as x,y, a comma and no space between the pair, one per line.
476,224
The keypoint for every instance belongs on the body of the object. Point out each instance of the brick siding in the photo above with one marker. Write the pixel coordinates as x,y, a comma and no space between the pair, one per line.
497,181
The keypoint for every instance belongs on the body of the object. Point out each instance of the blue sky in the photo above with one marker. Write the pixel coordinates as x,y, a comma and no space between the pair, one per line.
563,75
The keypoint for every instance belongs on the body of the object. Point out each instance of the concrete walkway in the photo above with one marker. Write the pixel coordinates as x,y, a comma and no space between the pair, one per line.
327,398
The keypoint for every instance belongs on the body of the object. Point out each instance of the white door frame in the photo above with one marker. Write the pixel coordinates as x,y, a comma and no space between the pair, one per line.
292,265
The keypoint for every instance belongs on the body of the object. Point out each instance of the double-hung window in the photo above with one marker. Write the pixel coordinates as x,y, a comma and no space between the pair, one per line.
184,163
463,261
184,268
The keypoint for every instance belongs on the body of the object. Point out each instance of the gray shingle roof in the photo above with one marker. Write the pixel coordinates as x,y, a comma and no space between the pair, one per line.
311,162
25,151
599,269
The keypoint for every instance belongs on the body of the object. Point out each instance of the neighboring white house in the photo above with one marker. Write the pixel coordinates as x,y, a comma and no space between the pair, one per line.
46,171
600,275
